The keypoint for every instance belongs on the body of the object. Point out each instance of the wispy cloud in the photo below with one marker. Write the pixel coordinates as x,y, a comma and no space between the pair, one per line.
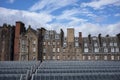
100,4
32,18
51,5
37,20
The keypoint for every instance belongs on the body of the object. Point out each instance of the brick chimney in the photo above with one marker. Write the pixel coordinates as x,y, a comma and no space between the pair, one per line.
80,39
20,28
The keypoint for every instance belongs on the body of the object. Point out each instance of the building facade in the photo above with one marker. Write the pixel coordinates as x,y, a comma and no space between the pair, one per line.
6,42
72,48
17,43
56,47
52,45
101,48
28,45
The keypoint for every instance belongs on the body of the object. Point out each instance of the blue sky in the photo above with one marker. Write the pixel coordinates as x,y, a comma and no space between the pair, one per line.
86,16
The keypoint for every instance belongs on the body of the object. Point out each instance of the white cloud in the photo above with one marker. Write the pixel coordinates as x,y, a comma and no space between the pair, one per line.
51,5
37,20
99,4
29,18
95,29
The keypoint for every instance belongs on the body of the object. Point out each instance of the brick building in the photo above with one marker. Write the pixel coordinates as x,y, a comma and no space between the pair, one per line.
101,48
6,42
42,44
52,45
29,45
72,48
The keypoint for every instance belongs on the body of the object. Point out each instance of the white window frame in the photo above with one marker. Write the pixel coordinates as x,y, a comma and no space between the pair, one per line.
85,49
112,57
34,49
105,57
112,50
83,57
115,44
95,44
85,44
76,44
104,44
44,50
96,50
54,49
117,49
89,57
105,50
58,49
111,43
53,58
44,57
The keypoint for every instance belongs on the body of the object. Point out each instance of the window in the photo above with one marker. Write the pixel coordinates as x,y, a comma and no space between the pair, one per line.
76,44
96,57
118,57
95,44
105,50
54,50
85,44
23,57
89,57
65,44
112,57
111,44
117,49
44,50
53,57
46,36
44,57
48,43
58,43
23,42
76,39
83,57
58,57
85,49
112,49
96,50
54,43
44,43
56,36
104,44
94,38
34,42
58,49
34,49
115,44
34,58
105,57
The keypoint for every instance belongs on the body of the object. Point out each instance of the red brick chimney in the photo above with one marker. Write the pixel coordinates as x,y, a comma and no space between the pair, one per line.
18,30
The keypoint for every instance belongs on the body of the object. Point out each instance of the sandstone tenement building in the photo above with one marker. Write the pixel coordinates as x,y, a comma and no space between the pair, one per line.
17,43
6,42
